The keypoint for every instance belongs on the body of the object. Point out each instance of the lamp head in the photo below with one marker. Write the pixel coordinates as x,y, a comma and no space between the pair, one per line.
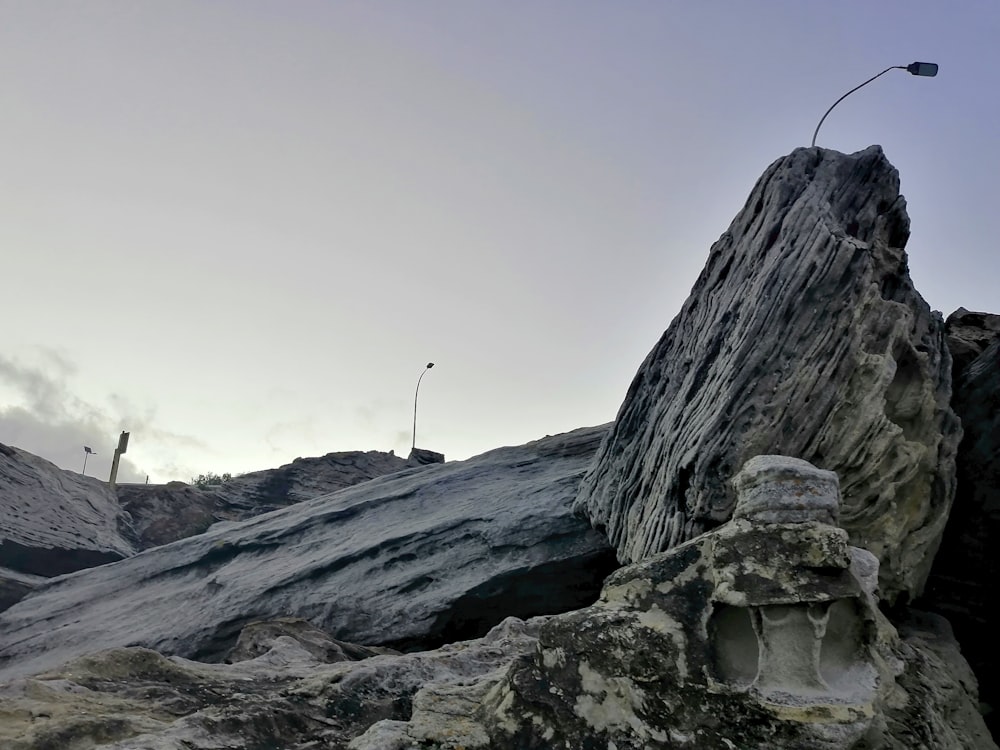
430,365
922,69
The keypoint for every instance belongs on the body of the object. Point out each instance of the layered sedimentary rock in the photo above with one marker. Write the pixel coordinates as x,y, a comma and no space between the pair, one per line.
963,581
287,697
165,513
413,559
54,521
802,336
763,634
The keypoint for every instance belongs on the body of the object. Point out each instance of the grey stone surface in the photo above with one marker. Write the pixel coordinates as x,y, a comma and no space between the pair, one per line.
969,333
54,521
283,699
803,336
754,636
14,586
413,559
963,581
164,513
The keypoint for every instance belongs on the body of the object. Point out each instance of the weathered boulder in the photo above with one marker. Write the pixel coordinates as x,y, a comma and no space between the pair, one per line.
762,634
286,697
414,559
54,521
802,336
164,513
963,581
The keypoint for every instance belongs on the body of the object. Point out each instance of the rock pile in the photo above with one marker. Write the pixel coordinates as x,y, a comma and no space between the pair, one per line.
761,634
410,560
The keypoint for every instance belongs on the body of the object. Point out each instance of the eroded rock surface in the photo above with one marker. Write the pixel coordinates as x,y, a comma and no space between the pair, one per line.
802,336
285,697
54,521
414,559
164,513
963,581
762,634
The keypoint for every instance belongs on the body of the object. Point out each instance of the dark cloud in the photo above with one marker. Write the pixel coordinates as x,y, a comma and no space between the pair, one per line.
47,419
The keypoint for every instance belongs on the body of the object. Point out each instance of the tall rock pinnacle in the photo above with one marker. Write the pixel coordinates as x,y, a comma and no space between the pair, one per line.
803,336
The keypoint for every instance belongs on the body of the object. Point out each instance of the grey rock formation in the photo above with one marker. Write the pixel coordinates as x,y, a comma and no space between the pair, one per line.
422,456
15,586
54,521
257,638
803,336
763,634
969,333
963,581
165,513
286,697
413,559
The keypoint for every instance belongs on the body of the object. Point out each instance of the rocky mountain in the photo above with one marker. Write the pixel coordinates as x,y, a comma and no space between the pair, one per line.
410,560
803,336
164,513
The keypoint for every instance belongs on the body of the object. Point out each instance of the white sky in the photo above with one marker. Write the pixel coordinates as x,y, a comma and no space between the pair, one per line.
240,228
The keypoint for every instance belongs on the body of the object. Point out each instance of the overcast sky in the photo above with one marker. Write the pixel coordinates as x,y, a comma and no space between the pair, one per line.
240,229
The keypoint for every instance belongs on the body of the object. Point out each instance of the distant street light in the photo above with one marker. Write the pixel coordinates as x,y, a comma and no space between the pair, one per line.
429,366
918,69
87,453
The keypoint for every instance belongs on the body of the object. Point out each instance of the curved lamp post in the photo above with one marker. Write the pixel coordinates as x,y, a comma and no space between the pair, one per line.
917,68
417,393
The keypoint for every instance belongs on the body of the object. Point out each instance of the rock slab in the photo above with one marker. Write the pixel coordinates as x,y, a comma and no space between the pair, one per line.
54,521
164,513
410,560
803,336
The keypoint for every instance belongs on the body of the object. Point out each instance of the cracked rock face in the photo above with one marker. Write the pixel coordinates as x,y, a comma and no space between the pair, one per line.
804,337
762,634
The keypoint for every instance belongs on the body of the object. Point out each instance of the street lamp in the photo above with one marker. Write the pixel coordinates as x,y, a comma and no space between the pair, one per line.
87,453
917,68
429,366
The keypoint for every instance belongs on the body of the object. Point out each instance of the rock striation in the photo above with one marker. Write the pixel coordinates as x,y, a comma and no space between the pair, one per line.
763,634
164,513
962,585
56,521
287,696
414,559
802,336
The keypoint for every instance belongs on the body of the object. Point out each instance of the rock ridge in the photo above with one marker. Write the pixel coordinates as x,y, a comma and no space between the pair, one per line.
803,336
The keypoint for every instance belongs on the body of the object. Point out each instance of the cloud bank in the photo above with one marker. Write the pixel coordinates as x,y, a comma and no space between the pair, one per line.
40,414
